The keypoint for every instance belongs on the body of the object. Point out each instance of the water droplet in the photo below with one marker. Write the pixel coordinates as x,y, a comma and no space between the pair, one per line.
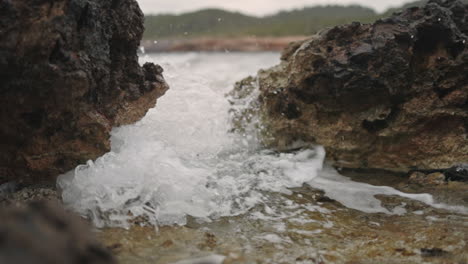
219,19
412,36
464,41
155,42
185,33
439,19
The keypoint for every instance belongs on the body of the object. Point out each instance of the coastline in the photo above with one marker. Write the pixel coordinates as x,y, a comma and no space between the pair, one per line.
220,44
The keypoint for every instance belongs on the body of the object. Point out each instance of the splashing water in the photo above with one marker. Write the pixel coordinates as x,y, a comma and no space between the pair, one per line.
180,161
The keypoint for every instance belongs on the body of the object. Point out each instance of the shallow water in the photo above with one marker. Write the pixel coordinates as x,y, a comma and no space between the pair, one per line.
180,166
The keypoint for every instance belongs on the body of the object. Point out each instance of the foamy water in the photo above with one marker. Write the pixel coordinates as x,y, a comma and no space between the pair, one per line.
180,160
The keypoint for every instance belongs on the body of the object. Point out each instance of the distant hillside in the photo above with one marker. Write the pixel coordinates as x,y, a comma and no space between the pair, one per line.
309,20
215,22
220,23
203,22
411,4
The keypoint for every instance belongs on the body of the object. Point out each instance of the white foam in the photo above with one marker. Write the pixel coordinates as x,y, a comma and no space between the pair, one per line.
361,196
179,160
274,238
212,259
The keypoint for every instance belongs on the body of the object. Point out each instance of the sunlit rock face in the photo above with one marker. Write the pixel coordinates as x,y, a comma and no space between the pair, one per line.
392,95
69,72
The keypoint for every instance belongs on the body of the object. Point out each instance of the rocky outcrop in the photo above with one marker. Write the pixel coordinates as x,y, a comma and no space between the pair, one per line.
44,233
69,73
391,95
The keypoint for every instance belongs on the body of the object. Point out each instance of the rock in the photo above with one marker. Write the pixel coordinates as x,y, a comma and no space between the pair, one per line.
8,188
433,252
43,233
70,72
458,173
392,95
436,178
23,195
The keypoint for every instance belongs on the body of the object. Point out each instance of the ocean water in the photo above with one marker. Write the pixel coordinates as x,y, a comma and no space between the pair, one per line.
180,160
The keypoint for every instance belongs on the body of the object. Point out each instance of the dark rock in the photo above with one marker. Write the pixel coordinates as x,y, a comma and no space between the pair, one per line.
433,252
23,195
392,95
8,188
43,233
69,72
457,173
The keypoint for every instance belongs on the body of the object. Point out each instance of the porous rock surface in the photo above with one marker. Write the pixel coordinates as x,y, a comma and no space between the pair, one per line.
69,73
392,95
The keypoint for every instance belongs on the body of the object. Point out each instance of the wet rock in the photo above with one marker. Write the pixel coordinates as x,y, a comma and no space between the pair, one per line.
43,233
436,178
404,252
433,252
209,242
391,95
458,173
27,194
8,188
167,243
69,73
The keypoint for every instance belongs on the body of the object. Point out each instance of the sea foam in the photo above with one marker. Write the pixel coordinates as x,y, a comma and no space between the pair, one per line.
180,161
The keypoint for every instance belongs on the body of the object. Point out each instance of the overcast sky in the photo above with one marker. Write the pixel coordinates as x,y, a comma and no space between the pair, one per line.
254,7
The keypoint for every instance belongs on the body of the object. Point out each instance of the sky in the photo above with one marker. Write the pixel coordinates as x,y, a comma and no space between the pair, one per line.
254,7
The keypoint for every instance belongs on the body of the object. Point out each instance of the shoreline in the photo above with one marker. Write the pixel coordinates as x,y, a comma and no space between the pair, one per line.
220,44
